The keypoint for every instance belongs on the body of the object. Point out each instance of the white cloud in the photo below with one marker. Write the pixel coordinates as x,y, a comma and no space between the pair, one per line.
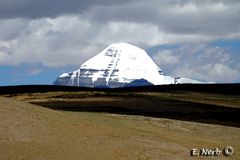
72,32
199,61
53,42
166,57
72,40
222,72
34,71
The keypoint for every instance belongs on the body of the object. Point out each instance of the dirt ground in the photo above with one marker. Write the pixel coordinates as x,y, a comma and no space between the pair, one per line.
29,131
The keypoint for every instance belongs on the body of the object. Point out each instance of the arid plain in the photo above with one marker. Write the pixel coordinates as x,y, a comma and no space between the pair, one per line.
117,125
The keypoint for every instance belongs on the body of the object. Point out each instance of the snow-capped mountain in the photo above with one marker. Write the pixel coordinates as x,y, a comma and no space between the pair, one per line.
116,66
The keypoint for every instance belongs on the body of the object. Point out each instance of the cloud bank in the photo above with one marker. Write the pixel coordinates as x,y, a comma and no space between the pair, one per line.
58,33
199,61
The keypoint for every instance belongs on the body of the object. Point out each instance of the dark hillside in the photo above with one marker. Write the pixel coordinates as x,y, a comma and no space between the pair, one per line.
230,88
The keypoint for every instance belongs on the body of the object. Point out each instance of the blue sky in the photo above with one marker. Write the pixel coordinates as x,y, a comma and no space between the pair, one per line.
195,39
25,74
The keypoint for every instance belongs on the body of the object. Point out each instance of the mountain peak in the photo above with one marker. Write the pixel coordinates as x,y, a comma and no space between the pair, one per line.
124,45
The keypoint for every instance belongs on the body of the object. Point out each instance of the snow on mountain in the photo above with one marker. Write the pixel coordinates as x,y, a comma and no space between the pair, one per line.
116,66
182,80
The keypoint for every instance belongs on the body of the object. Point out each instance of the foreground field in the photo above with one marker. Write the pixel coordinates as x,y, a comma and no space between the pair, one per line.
186,106
116,125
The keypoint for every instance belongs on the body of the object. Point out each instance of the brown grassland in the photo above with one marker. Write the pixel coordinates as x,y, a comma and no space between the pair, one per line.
113,125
